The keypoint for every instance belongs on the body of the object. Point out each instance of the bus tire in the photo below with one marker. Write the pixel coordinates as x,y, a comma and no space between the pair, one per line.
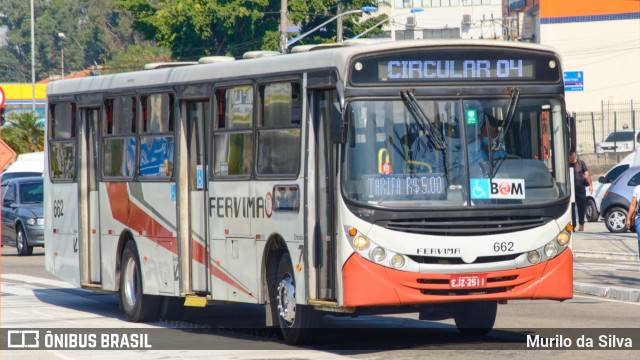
137,307
475,317
297,322
22,245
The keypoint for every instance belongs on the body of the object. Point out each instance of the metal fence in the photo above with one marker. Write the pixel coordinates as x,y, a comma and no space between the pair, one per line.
593,127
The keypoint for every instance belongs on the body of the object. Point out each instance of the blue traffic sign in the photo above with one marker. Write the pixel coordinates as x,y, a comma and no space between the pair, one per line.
573,81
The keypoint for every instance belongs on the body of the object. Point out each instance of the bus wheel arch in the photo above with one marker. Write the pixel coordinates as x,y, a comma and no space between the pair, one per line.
137,306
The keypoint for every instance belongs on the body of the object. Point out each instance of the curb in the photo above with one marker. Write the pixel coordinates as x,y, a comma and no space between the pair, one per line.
605,255
612,292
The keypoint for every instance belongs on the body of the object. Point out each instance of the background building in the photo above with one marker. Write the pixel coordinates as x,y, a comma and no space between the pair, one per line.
599,42
443,19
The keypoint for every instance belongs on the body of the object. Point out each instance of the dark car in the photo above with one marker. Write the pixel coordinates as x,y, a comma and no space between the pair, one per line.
22,211
617,199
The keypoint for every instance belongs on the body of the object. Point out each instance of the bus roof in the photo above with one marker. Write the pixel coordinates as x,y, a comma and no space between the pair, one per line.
325,57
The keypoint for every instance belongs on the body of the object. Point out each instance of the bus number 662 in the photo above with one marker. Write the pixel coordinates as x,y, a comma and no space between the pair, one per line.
57,208
503,246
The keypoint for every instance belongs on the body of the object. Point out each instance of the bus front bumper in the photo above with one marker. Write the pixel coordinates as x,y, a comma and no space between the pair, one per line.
368,284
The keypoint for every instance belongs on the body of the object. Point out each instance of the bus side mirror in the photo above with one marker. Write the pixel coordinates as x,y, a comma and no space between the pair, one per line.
338,126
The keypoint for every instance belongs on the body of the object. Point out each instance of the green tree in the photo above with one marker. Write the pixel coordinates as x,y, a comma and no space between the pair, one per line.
195,28
93,32
23,132
134,58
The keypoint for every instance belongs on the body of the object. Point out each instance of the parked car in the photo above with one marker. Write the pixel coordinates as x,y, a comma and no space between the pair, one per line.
617,199
600,187
22,214
619,141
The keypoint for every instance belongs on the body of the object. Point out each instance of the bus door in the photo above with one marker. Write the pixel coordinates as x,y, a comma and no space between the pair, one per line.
323,160
89,215
198,114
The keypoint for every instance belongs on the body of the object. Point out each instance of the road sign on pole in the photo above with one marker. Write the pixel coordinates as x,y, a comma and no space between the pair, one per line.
6,155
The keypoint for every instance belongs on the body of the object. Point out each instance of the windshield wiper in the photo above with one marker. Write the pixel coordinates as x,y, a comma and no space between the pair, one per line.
498,142
421,118
427,127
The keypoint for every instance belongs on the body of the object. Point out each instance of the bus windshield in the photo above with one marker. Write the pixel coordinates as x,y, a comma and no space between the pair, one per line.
410,152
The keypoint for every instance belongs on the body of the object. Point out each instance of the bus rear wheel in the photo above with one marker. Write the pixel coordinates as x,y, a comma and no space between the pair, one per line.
476,317
137,307
297,322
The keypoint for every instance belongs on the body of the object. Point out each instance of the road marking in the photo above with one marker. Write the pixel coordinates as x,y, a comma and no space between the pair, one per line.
591,297
18,289
38,280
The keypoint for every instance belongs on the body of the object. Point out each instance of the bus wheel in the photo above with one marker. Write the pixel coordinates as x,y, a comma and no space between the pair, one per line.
137,307
297,322
476,317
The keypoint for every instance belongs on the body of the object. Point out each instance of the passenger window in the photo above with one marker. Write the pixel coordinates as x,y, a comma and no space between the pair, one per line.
233,132
119,141
279,129
62,141
157,135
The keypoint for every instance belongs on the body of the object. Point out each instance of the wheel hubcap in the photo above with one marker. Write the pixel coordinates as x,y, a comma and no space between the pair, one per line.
130,282
286,299
617,220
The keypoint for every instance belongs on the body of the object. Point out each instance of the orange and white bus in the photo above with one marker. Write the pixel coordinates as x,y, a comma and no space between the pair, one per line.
415,176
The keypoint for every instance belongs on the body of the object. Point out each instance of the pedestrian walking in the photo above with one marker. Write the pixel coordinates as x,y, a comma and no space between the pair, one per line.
632,215
581,180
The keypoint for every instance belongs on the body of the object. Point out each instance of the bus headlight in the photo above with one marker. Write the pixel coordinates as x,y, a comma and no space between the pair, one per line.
378,254
533,256
563,238
397,261
550,250
361,243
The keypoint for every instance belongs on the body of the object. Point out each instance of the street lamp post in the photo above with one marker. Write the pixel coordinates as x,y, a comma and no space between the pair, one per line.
411,11
61,37
365,9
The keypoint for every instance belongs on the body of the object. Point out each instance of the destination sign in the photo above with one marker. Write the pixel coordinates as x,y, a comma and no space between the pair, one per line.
406,187
455,69
462,65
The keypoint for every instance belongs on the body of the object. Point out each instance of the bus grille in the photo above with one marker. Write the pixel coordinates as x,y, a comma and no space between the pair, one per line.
458,261
465,226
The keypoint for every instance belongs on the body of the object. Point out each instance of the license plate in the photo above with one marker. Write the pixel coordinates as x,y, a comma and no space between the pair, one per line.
468,281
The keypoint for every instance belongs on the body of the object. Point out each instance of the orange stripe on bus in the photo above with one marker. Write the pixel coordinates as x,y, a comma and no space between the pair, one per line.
131,215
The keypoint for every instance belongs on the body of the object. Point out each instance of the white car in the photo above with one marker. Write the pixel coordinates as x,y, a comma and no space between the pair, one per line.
29,164
619,141
592,204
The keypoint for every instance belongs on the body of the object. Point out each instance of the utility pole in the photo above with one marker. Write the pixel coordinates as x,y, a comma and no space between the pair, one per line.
283,26
339,23
33,58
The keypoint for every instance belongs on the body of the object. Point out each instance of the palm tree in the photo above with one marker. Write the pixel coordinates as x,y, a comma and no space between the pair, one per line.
23,132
